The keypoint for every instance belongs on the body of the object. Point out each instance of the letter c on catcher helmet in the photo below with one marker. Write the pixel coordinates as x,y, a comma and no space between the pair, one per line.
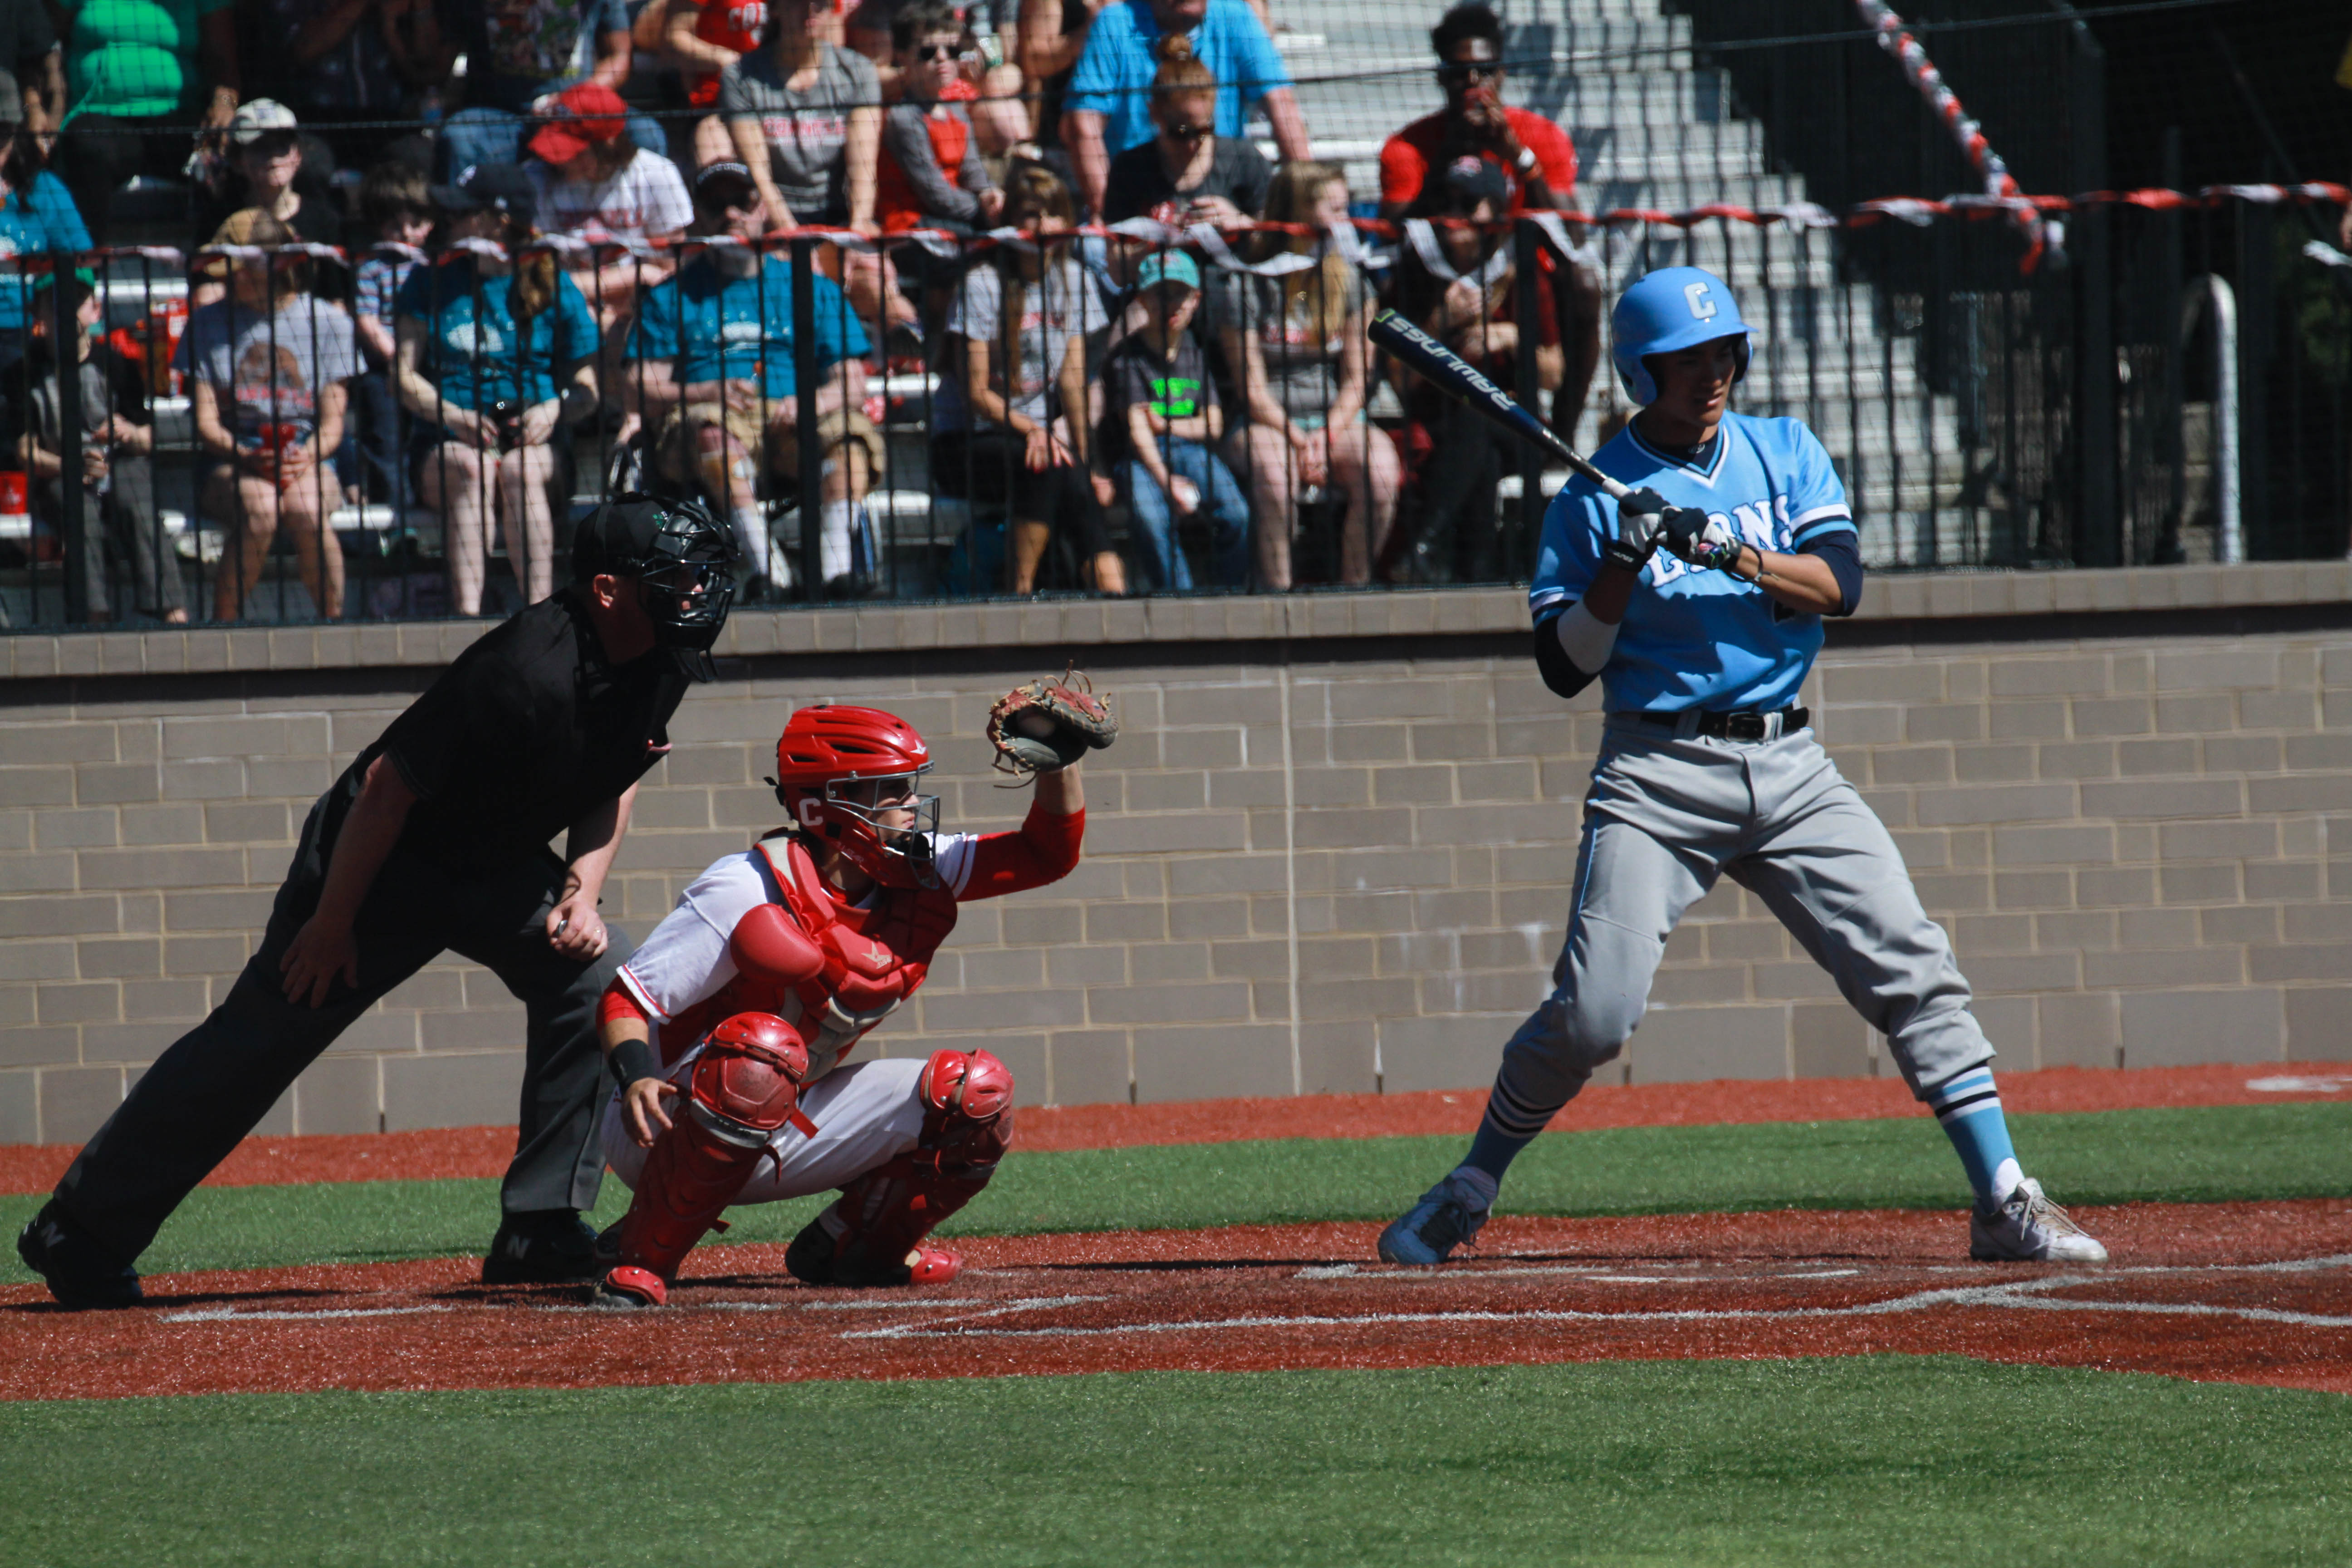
1672,308
831,756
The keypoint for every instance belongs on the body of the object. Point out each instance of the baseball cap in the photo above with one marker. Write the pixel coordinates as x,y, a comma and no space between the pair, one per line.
1471,179
490,187
714,179
83,278
1167,267
256,119
584,116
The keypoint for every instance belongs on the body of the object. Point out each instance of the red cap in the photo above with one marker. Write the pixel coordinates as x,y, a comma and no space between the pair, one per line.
585,115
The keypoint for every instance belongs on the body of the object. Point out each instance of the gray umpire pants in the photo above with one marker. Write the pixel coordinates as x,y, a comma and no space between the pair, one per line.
1667,814
218,1080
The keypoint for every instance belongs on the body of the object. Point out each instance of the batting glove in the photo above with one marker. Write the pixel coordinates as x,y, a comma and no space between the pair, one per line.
1699,539
1640,529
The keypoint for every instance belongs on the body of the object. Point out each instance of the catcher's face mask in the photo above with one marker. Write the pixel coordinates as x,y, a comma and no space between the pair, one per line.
886,827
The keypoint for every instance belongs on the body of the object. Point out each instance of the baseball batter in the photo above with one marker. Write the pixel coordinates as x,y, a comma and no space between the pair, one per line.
1696,603
726,1031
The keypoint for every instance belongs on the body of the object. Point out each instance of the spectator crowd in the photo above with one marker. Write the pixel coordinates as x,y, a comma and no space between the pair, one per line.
443,253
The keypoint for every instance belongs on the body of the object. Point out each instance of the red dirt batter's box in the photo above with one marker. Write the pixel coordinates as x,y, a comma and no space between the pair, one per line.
2225,1292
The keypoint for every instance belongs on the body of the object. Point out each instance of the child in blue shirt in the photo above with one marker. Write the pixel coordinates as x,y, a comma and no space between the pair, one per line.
398,210
1163,405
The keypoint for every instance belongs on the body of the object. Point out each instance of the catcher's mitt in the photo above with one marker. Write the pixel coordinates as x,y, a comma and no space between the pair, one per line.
1049,724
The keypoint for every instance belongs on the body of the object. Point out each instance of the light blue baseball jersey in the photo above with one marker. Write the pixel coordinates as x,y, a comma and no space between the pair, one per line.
1694,637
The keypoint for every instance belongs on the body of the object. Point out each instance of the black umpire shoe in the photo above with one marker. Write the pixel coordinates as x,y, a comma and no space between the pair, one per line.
81,1274
545,1246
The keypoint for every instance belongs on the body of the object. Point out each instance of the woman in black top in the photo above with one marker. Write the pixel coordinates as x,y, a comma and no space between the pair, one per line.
1186,174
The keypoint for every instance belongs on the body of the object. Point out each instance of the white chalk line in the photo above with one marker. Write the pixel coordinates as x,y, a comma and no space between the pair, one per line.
230,1314
2013,1293
1471,1271
2019,1293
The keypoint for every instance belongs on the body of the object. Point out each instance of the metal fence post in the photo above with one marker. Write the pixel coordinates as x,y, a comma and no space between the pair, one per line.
805,389
2257,338
72,525
1527,241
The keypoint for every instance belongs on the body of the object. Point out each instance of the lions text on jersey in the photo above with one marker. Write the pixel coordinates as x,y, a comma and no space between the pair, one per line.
1695,637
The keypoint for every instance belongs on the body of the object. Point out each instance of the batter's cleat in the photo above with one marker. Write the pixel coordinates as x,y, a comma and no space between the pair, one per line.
815,1258
80,1274
2029,1228
629,1289
547,1247
1448,1216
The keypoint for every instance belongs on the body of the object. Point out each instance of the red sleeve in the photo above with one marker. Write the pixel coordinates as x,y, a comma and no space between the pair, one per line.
1546,314
1044,850
618,1004
1555,151
1403,167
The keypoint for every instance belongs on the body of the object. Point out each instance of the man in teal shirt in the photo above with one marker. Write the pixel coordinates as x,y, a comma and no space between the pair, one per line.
714,379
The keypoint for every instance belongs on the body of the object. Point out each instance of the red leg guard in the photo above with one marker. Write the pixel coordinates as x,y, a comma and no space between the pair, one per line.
745,1085
871,1235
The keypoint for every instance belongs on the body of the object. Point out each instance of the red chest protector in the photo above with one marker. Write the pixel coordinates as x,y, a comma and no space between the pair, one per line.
874,958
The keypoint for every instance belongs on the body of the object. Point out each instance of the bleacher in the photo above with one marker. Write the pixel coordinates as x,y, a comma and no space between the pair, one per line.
1654,131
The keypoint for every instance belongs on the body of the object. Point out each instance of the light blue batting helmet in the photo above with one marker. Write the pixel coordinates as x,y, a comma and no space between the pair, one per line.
1672,308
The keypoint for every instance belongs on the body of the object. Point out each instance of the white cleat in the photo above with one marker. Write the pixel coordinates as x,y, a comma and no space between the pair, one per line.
2029,1228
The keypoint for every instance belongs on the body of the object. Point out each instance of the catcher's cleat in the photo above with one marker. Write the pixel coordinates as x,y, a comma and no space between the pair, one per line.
816,1258
1449,1214
549,1246
2029,1228
78,1272
628,1289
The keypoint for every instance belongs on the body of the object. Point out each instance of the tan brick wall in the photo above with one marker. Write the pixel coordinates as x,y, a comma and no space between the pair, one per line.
1319,862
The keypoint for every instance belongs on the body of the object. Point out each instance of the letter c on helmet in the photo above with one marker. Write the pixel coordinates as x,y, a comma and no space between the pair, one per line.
1701,308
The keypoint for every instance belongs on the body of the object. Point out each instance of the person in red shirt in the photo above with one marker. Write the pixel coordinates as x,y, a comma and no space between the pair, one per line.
1456,279
727,1032
931,173
1538,160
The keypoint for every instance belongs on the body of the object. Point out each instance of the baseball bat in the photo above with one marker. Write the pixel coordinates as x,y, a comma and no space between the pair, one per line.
1457,378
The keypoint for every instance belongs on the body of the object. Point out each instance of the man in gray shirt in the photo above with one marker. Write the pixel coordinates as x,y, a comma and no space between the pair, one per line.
807,120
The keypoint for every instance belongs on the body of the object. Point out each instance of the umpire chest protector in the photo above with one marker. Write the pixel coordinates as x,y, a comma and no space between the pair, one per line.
874,959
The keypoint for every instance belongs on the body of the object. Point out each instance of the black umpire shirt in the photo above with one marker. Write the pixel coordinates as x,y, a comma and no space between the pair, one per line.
532,728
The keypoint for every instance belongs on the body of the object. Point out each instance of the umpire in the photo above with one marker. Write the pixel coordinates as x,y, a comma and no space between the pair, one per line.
437,837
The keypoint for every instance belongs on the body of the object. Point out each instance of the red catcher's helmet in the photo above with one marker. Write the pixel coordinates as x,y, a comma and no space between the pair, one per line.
833,763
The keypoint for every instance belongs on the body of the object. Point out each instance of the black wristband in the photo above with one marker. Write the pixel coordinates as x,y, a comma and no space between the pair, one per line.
630,1061
1617,553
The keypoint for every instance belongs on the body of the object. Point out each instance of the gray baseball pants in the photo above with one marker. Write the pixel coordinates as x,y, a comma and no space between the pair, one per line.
1667,814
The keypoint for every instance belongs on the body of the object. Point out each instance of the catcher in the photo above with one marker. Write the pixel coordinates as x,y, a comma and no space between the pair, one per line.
726,1031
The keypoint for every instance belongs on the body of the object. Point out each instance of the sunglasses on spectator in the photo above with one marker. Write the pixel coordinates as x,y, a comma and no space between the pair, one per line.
1470,73
1186,133
929,52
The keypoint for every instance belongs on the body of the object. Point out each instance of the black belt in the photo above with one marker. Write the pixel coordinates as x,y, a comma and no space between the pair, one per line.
1741,724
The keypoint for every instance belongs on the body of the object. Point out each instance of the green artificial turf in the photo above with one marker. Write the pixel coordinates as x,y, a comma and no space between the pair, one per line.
2117,1156
1878,1460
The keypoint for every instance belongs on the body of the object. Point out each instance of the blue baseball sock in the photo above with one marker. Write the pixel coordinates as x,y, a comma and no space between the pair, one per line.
1509,1125
1494,1150
1969,1107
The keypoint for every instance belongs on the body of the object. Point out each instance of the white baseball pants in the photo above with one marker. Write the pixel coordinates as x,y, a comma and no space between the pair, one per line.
866,1115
